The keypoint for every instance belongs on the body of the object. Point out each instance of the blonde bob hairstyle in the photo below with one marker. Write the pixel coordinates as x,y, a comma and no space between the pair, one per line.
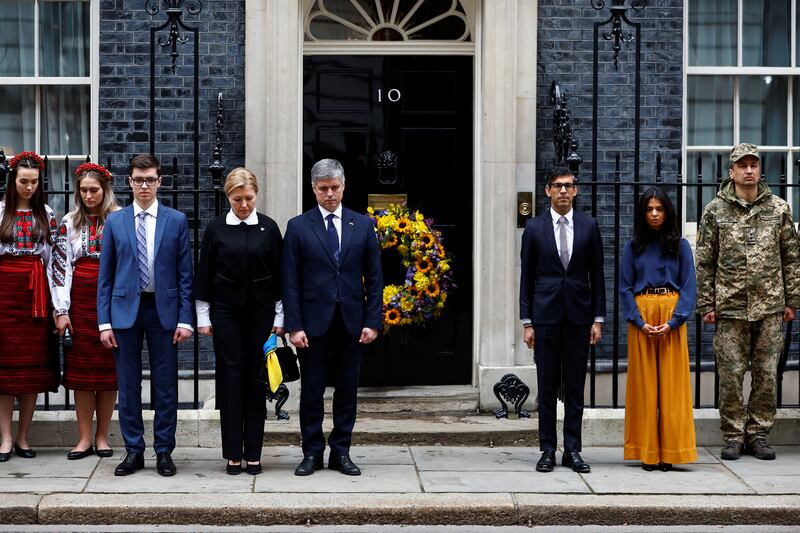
240,177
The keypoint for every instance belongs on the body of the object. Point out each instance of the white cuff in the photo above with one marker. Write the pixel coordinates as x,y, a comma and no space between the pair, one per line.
186,326
203,311
599,319
278,323
103,327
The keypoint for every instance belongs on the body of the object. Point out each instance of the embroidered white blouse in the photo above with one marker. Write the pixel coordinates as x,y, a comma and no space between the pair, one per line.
23,243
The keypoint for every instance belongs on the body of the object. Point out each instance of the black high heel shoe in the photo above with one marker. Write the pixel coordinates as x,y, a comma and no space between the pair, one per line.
25,453
5,457
233,470
648,467
665,467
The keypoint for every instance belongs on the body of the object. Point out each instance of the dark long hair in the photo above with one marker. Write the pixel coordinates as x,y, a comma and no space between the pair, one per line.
668,235
41,229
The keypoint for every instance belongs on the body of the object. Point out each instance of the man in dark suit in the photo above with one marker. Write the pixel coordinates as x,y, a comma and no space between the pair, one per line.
332,297
562,303
144,289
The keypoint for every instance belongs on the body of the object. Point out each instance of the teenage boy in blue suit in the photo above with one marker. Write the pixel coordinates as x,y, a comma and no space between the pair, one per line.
332,298
562,302
145,290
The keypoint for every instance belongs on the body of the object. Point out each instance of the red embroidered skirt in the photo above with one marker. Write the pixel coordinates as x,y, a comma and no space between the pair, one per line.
28,354
88,366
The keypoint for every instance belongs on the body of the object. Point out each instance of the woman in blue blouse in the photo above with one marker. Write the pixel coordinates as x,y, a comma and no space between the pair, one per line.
657,294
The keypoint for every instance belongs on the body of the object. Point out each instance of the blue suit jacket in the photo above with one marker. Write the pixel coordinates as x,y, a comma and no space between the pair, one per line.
548,294
313,284
118,282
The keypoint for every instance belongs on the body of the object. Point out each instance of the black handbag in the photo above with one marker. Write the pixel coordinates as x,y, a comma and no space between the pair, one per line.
288,361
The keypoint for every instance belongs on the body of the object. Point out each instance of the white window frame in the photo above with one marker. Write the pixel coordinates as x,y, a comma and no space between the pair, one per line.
792,147
92,80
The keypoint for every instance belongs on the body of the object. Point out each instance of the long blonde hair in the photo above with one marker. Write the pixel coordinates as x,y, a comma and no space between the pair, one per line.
80,214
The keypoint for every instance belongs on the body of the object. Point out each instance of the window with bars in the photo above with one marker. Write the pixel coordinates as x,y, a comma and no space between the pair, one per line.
742,65
46,79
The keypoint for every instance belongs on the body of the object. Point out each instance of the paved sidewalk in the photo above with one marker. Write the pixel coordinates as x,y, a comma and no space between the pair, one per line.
403,485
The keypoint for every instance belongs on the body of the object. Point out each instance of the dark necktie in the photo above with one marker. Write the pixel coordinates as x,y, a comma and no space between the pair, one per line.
333,238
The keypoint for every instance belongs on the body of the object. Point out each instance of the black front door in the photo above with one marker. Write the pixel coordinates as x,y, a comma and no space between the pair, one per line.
420,109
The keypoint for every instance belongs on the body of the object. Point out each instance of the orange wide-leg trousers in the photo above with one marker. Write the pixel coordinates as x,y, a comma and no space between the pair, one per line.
659,424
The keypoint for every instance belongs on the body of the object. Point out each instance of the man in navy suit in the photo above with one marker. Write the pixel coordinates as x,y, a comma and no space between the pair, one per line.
562,303
144,289
332,298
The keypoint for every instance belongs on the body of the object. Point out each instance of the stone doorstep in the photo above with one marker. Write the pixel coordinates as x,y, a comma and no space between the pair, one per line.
399,509
601,427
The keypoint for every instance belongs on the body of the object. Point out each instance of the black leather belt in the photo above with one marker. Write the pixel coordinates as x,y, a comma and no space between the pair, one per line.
658,290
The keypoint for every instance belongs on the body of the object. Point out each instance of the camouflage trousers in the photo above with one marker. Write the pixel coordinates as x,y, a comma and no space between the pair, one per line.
736,343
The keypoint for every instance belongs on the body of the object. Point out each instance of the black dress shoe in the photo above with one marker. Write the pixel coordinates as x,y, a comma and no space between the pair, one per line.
133,461
80,454
665,467
647,467
308,466
343,464
164,464
574,461
233,470
253,469
106,452
5,457
26,453
547,461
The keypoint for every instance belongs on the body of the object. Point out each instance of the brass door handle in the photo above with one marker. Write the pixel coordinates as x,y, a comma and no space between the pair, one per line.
524,207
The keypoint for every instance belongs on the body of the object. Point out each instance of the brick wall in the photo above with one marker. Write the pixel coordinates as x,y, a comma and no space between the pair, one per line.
565,55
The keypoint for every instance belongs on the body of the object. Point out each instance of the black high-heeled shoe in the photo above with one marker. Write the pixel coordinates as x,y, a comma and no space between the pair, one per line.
665,467
233,470
253,469
648,467
5,457
25,453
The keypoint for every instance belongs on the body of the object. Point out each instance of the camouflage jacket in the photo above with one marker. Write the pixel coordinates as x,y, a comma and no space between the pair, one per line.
747,256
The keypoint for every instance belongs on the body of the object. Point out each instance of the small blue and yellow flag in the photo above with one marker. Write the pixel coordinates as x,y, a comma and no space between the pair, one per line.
271,361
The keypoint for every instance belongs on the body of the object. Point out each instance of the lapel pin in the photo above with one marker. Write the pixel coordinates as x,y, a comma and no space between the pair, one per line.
351,222
262,229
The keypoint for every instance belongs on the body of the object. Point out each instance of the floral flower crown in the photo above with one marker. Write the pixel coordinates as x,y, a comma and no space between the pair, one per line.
93,167
33,156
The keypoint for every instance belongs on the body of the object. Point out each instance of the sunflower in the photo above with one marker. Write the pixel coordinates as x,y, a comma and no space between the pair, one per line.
413,291
407,305
426,240
432,290
391,241
391,317
423,264
403,225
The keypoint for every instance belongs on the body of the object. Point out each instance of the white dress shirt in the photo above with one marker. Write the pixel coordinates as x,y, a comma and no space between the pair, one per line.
150,231
203,309
568,227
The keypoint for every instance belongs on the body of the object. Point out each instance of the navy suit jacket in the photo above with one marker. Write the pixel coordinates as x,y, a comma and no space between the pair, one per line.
118,282
550,295
313,284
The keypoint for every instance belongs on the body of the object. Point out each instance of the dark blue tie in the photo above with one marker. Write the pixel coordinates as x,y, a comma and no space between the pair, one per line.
333,238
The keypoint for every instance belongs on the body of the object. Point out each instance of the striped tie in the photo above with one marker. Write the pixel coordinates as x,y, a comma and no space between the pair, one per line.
141,244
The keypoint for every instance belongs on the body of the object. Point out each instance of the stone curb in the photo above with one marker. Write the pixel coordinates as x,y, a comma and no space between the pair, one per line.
496,509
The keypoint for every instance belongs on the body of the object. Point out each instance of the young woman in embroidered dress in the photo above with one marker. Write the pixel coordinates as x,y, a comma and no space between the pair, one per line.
89,368
28,360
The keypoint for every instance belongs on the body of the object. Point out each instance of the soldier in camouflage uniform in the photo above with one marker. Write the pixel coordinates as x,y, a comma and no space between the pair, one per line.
748,285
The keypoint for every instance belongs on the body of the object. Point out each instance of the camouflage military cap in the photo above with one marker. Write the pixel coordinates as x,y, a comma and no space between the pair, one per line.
741,150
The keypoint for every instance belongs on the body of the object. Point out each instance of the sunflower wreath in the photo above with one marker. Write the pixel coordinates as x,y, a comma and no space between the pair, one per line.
428,273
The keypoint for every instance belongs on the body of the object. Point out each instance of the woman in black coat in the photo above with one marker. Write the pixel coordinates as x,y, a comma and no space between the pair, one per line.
238,301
